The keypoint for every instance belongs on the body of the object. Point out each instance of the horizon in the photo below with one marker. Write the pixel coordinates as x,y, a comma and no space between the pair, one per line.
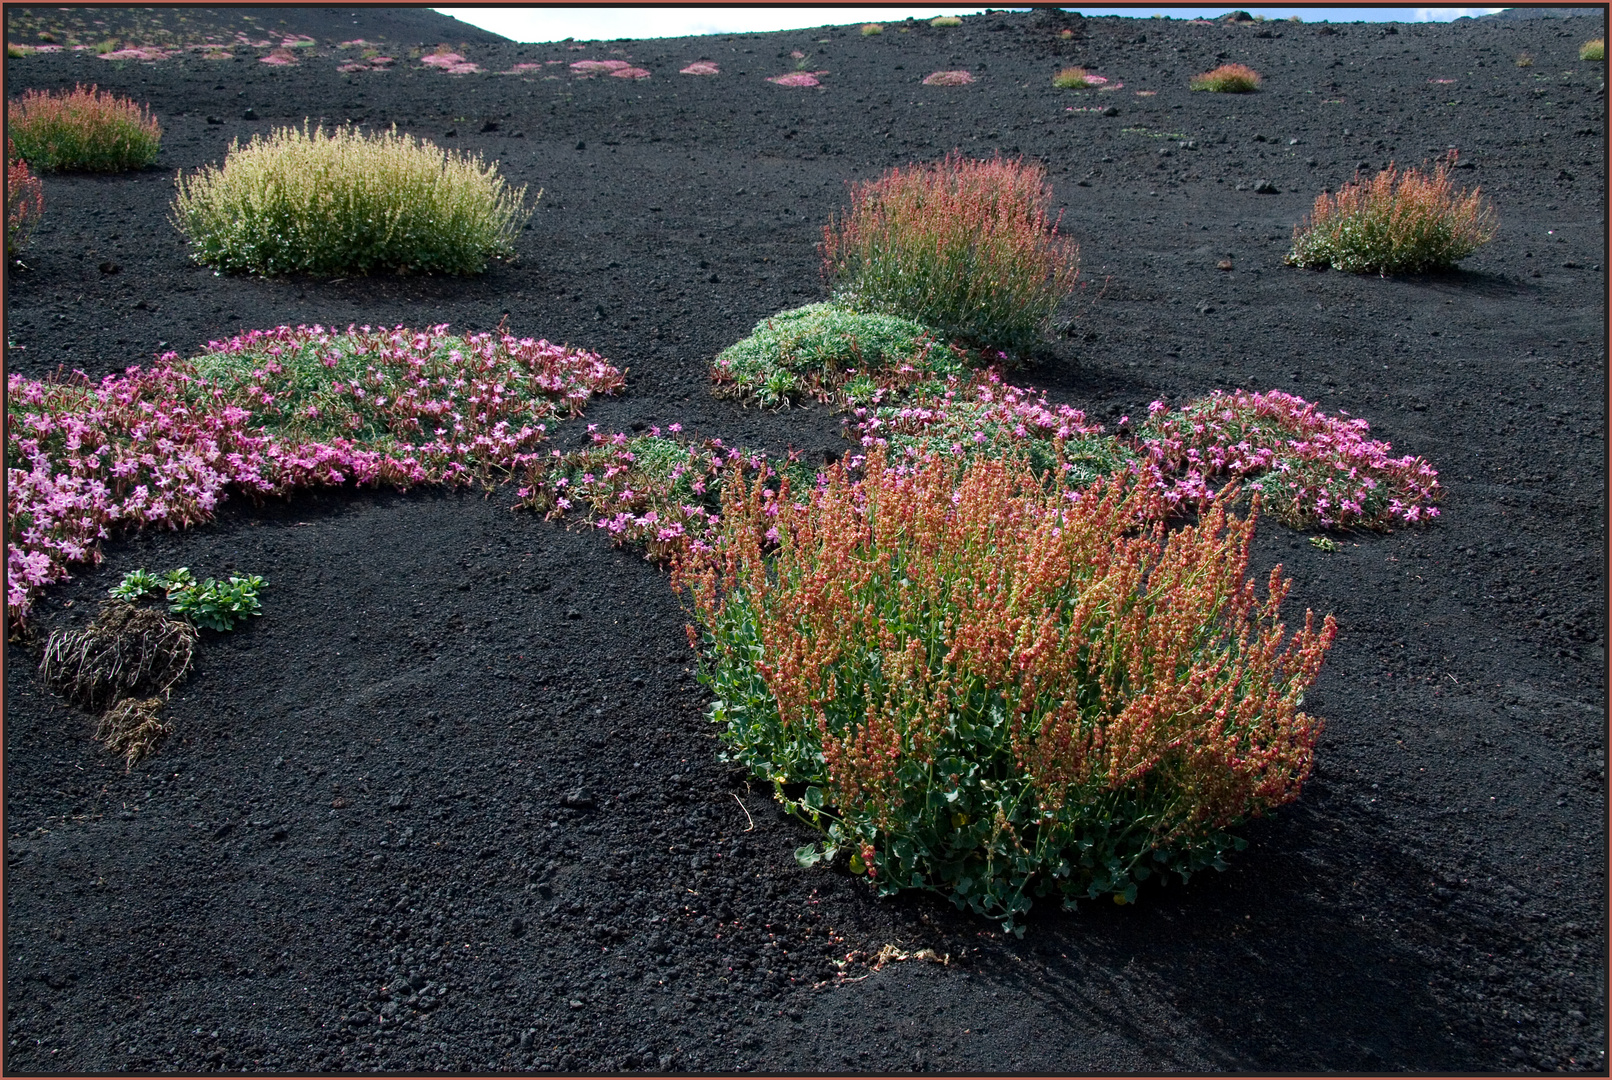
548,24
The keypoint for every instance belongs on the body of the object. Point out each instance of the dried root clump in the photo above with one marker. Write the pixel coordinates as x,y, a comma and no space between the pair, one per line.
131,728
125,650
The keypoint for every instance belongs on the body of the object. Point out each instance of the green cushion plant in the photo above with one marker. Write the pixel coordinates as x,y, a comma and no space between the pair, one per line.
829,351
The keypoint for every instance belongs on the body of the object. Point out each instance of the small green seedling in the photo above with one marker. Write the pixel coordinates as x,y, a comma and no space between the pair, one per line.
216,605
135,584
209,604
1322,543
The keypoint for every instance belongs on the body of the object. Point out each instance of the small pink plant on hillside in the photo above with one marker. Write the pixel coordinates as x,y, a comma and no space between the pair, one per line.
701,67
1311,467
450,62
588,68
279,58
798,78
147,53
630,73
948,78
268,412
297,41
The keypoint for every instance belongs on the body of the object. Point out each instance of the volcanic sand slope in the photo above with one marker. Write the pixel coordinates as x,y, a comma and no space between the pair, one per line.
354,852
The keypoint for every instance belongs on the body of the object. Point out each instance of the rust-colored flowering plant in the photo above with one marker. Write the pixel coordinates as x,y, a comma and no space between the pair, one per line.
25,201
966,247
1397,222
992,690
83,130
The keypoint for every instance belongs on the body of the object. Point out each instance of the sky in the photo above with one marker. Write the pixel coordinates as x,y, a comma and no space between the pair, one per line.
601,23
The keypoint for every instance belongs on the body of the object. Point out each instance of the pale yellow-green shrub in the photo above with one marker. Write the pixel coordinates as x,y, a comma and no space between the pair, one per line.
345,202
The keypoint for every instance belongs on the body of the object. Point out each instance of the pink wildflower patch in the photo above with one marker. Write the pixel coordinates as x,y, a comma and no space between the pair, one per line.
149,53
948,78
630,73
701,67
1310,467
1146,93
47,48
587,69
164,446
798,78
442,59
298,41
279,58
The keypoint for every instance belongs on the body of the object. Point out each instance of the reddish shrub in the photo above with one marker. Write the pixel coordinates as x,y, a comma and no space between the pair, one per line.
89,130
1395,223
25,201
993,690
964,246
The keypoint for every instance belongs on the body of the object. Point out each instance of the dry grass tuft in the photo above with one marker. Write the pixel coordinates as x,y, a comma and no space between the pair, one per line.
1593,50
1071,78
126,649
131,728
1227,79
